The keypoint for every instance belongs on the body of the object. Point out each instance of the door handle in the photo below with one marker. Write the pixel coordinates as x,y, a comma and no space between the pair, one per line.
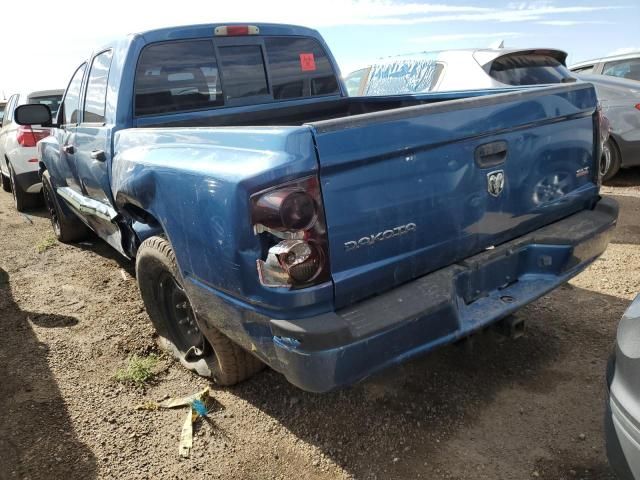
98,155
70,149
491,154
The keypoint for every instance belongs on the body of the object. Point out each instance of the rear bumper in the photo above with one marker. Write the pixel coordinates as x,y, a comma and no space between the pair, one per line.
623,441
339,348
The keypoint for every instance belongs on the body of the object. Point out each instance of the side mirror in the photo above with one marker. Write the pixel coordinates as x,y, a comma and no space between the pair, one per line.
32,114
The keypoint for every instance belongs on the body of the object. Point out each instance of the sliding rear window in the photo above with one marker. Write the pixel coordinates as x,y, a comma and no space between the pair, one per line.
182,76
299,68
528,69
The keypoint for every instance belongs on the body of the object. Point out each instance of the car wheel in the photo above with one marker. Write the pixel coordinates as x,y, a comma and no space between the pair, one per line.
21,199
6,182
173,317
66,229
610,160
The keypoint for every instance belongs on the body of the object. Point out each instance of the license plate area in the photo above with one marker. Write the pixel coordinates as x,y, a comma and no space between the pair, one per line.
499,270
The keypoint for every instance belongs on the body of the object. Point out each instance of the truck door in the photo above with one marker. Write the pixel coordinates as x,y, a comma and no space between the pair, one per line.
68,118
93,134
93,152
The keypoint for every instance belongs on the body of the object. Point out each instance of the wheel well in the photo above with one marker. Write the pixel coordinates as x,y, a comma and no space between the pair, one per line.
139,214
614,142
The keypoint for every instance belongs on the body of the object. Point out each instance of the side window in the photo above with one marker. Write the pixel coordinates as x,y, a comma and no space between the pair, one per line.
71,102
629,69
177,77
96,95
243,70
354,81
9,110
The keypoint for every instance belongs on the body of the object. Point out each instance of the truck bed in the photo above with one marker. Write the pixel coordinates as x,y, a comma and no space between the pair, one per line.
299,112
421,161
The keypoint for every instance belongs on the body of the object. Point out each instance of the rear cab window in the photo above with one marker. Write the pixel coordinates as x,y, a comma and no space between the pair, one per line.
189,75
528,69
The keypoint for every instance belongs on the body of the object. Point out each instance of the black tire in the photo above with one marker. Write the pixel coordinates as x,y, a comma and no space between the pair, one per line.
22,200
6,183
67,227
170,311
610,161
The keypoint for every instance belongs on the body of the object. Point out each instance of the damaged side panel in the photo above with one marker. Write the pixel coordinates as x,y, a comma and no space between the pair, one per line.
196,192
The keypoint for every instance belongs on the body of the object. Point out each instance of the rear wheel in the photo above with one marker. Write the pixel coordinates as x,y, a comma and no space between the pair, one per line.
66,228
21,199
610,160
173,317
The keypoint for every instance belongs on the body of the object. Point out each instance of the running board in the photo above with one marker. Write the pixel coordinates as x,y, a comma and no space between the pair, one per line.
87,205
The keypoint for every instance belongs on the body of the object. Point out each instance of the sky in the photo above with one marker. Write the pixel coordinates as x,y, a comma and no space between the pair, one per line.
43,41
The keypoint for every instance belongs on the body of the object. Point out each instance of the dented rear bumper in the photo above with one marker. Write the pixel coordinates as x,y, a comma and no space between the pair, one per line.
333,349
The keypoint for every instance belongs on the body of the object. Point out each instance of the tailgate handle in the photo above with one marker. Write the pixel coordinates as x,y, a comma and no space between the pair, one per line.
491,154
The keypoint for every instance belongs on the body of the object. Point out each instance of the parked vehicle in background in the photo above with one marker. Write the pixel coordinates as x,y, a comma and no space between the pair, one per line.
620,101
622,414
451,70
3,104
50,98
326,236
625,66
18,156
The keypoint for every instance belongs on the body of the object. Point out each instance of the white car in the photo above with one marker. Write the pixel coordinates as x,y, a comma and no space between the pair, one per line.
622,66
18,162
450,70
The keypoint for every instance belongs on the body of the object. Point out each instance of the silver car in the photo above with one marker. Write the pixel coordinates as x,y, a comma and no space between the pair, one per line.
620,101
622,66
622,418
18,162
473,69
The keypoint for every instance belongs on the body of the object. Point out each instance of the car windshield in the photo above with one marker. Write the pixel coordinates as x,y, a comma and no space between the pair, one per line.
1,113
528,69
52,101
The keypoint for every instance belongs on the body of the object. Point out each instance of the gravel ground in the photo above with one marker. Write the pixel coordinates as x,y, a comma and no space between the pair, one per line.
71,315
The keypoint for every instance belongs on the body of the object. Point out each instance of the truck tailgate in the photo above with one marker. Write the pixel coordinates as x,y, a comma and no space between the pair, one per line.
411,190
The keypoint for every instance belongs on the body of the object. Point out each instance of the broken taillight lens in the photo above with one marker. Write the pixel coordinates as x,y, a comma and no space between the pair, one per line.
290,218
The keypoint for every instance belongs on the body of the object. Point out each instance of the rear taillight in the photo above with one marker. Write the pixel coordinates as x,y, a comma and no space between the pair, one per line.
637,105
236,30
290,220
28,137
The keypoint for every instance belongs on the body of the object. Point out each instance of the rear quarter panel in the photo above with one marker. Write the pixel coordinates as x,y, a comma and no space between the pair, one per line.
196,183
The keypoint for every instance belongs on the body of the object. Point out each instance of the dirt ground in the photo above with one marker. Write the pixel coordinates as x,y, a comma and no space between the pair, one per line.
71,315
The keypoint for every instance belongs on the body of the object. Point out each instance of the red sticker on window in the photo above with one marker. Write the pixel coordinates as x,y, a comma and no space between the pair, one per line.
307,62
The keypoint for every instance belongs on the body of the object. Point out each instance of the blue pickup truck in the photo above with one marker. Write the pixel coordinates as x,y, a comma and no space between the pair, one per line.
275,220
